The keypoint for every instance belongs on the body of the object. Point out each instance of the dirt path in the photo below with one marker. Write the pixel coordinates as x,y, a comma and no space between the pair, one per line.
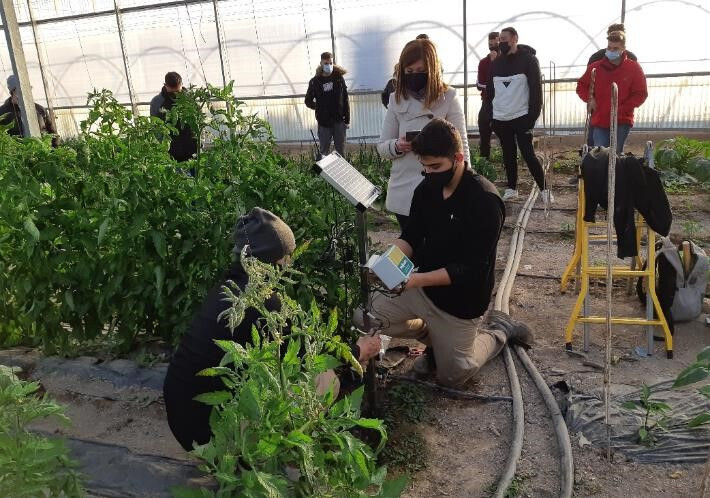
467,442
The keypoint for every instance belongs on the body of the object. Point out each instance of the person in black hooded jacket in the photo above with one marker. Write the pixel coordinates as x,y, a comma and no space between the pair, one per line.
514,92
269,239
10,114
183,145
328,95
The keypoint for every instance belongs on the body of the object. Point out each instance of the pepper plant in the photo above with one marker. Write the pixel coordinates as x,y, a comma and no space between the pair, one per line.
108,239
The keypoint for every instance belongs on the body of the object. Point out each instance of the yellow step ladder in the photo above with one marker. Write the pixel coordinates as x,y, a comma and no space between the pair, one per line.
580,269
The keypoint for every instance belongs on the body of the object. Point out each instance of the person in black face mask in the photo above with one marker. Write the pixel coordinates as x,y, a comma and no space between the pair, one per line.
485,115
183,146
420,95
452,236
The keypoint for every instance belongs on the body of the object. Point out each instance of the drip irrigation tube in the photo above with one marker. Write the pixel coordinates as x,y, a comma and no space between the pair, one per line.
502,303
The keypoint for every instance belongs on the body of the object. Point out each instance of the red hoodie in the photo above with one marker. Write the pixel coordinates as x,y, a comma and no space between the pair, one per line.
629,78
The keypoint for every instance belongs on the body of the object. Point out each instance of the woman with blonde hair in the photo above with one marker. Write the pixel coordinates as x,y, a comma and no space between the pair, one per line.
420,95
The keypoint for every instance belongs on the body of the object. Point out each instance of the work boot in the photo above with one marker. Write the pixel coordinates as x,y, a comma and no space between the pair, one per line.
425,364
515,332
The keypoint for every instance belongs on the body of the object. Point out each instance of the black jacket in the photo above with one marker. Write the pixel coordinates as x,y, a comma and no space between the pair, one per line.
328,95
638,187
459,234
514,86
10,114
599,55
189,419
389,88
183,145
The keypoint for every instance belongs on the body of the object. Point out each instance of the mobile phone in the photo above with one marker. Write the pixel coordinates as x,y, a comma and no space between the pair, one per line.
411,135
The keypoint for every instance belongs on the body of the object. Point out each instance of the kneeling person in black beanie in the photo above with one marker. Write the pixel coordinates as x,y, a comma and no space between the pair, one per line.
270,240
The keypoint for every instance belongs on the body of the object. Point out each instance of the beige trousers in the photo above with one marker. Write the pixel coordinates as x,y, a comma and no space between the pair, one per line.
461,346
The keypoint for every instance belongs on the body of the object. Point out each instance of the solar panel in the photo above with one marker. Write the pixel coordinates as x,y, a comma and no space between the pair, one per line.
348,181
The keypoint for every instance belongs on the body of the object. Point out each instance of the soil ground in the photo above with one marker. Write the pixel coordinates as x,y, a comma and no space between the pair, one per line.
466,441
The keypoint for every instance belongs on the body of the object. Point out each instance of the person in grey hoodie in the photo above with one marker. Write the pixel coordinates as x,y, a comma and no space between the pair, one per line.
328,95
514,92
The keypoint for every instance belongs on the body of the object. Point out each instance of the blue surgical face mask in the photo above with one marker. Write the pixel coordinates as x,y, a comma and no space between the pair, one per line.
613,55
327,68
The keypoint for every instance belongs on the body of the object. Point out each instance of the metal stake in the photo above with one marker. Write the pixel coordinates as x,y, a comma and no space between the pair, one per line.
26,102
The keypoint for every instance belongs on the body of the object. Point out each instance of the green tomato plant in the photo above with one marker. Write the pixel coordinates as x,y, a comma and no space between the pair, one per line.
31,464
274,434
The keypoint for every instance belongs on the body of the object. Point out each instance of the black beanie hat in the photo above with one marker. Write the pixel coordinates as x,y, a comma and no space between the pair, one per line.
269,238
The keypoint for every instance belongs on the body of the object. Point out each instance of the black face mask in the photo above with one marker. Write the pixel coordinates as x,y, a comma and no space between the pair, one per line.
504,47
415,81
439,180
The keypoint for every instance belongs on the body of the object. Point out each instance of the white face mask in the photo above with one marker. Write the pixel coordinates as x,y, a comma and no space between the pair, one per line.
327,68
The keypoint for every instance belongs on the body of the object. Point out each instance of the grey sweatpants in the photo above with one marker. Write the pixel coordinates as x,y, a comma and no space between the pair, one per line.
335,133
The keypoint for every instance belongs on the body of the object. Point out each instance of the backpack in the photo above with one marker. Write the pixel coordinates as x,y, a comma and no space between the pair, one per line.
680,295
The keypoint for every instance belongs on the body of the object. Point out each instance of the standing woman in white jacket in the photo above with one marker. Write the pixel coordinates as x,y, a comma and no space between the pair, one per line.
420,95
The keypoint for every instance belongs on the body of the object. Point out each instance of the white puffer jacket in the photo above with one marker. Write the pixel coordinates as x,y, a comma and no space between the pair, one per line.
411,115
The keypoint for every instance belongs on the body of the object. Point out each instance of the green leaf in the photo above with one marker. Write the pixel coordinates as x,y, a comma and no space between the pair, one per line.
630,405
355,399
701,419
102,230
69,299
214,398
705,391
704,355
31,228
214,372
643,434
694,373
159,243
394,488
324,362
159,279
249,402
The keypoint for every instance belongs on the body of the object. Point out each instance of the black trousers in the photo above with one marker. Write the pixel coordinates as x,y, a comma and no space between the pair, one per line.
484,129
515,134
402,220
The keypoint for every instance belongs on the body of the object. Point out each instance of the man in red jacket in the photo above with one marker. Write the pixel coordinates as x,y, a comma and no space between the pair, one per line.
615,67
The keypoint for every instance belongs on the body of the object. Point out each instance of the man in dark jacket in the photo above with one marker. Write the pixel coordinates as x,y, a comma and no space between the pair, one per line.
270,240
328,95
514,92
485,114
183,145
10,113
452,237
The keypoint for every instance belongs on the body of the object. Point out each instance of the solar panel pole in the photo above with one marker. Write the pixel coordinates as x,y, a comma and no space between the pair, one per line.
25,100
361,228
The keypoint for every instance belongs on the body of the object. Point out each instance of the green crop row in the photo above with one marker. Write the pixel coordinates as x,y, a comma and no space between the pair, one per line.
108,238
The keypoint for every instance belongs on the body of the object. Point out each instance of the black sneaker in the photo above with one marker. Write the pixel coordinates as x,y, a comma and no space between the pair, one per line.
515,332
425,365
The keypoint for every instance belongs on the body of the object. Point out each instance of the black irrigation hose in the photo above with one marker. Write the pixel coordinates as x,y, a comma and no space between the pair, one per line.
558,422
563,441
453,392
516,444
